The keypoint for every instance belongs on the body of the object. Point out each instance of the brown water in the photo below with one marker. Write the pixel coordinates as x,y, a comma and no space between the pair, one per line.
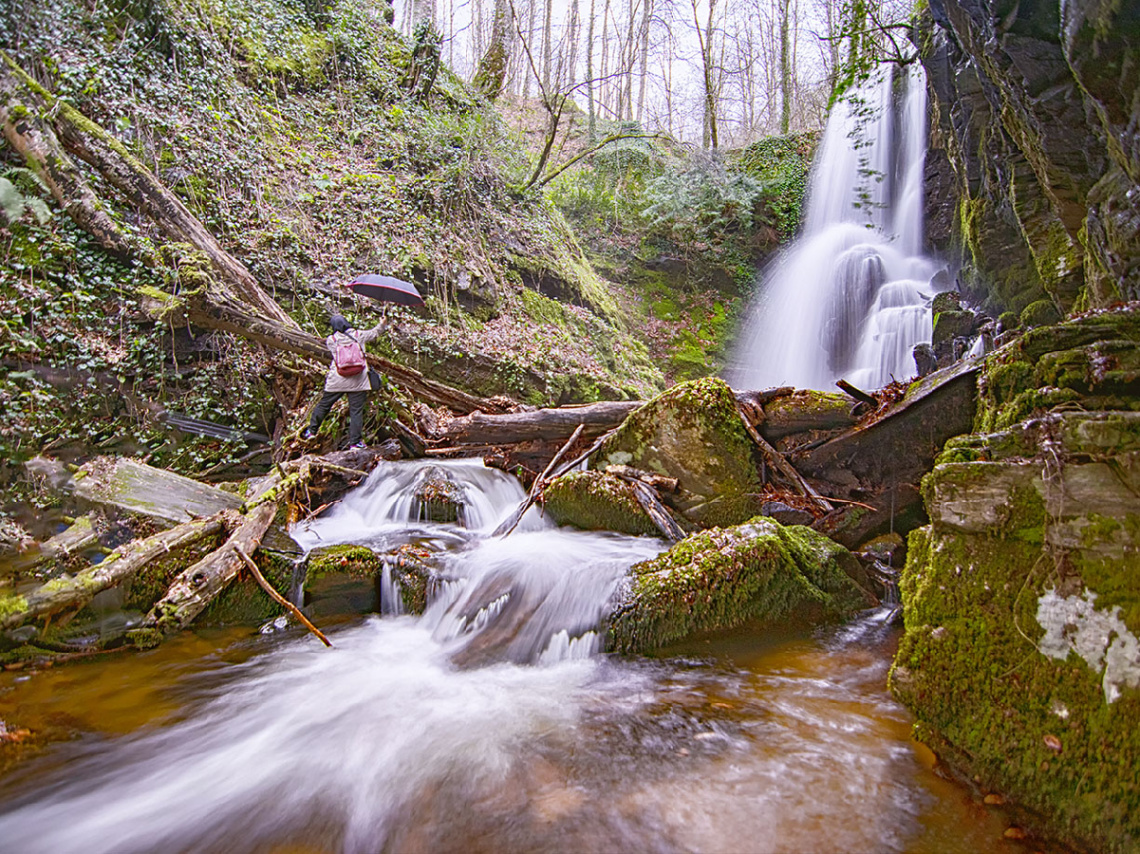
227,742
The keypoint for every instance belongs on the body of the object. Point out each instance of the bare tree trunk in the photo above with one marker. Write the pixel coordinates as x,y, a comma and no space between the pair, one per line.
785,67
593,116
705,39
531,8
645,23
547,42
604,87
570,71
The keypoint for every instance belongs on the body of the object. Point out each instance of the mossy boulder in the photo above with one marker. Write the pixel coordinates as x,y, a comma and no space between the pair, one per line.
1040,313
596,501
694,433
1020,658
1093,361
341,580
761,574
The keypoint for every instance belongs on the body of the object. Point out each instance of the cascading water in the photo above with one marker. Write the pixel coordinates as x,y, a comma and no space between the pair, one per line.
431,733
849,299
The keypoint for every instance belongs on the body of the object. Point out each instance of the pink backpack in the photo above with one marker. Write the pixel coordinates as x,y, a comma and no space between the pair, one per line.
349,357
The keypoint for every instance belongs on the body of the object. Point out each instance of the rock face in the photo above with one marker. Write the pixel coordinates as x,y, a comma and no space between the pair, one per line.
692,432
1021,658
761,573
1035,109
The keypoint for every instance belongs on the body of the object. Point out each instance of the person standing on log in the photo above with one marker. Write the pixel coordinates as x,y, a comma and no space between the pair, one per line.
348,374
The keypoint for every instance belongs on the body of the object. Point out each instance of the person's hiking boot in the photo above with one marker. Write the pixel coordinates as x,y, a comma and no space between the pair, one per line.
308,434
357,446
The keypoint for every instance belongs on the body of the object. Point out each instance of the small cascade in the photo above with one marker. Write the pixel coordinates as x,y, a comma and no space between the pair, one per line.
850,298
537,595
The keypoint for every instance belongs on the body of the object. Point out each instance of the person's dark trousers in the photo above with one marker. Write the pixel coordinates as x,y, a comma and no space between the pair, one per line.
355,412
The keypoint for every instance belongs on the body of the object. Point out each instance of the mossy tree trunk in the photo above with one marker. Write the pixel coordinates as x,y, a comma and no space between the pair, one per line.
492,70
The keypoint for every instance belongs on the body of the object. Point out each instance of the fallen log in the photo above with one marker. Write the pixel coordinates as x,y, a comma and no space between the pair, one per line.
195,587
211,312
91,143
135,487
552,424
650,502
65,594
783,466
79,536
234,301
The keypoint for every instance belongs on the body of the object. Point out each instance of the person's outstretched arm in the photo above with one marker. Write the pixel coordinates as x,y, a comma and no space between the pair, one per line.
366,335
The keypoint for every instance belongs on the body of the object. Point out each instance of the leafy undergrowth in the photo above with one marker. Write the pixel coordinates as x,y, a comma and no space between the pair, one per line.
294,139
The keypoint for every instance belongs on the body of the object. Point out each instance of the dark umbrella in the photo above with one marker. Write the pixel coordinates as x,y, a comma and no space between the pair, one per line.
386,289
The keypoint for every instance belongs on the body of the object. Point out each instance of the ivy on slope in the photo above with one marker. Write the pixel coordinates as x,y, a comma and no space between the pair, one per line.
286,129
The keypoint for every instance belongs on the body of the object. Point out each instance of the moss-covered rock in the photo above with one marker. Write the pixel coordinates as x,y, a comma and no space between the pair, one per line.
1093,361
760,573
1020,658
692,432
1040,313
596,501
438,498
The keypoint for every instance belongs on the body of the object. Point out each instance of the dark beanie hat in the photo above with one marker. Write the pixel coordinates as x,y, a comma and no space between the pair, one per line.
339,324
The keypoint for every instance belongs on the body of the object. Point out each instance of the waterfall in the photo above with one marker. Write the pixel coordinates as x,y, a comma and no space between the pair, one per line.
849,298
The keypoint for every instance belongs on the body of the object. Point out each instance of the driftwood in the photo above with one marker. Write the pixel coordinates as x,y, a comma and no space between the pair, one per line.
79,536
512,522
650,502
784,467
553,424
882,463
121,565
658,481
278,598
135,487
858,394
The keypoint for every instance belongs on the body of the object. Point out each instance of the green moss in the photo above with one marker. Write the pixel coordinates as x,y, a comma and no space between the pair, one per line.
359,561
760,573
595,501
243,602
10,605
692,432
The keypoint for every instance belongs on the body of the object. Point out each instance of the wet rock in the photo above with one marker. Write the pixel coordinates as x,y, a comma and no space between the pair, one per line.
694,433
761,573
1022,615
888,549
596,501
438,497
342,580
804,411
785,514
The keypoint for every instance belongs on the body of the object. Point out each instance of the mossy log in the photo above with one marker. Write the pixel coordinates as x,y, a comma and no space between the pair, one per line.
79,536
65,594
135,487
35,141
196,586
211,312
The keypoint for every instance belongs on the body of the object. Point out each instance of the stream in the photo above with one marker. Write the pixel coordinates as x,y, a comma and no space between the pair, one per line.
490,723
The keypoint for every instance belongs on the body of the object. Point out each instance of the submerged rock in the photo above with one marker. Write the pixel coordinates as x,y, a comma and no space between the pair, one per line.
438,497
1021,657
694,433
760,573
